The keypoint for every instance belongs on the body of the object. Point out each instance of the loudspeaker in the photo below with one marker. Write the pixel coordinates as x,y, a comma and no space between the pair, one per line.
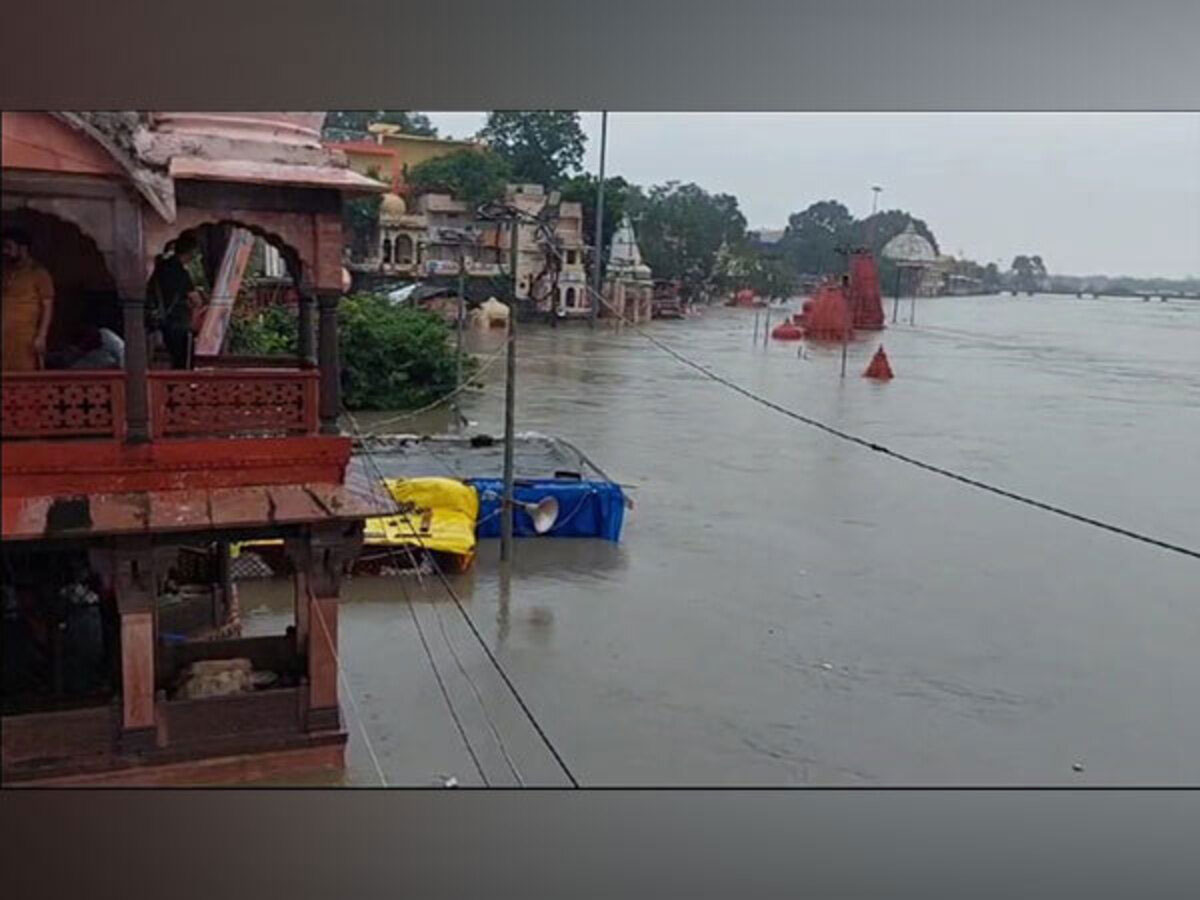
544,514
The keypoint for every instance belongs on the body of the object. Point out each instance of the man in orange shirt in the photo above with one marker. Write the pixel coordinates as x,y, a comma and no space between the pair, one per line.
28,305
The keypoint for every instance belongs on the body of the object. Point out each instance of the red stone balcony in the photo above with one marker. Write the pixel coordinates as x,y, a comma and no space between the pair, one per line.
222,425
223,402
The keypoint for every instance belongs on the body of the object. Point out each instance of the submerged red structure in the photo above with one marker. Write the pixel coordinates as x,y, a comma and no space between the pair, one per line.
879,367
866,300
835,310
827,316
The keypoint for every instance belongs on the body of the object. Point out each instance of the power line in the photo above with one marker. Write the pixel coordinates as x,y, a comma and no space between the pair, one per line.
545,738
429,652
362,728
901,457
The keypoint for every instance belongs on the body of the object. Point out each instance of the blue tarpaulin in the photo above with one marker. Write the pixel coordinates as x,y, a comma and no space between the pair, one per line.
593,509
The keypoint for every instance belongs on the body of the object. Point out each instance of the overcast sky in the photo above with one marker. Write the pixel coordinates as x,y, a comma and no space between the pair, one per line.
1114,193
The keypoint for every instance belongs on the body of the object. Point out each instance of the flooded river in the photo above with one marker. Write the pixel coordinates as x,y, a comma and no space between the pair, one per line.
786,608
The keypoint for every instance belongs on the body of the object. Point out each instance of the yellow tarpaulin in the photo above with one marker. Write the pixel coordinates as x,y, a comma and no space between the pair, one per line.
438,514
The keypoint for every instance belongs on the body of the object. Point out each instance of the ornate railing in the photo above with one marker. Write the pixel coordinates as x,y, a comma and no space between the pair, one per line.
63,404
233,402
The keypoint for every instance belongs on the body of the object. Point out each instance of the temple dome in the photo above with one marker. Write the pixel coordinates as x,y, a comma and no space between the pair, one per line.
909,248
392,208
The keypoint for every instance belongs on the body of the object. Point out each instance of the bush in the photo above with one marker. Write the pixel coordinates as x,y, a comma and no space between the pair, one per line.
392,357
267,332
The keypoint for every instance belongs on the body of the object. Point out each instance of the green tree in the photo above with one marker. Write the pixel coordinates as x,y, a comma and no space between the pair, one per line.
541,146
393,357
473,176
814,235
771,275
350,124
360,221
1027,272
682,229
396,357
991,278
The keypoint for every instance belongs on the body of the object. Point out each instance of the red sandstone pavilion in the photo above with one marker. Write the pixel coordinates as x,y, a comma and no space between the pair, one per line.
123,489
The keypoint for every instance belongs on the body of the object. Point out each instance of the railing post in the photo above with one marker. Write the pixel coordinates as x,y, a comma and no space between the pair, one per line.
137,362
328,359
307,329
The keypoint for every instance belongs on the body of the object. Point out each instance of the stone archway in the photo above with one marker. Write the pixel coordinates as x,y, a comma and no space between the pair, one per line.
85,291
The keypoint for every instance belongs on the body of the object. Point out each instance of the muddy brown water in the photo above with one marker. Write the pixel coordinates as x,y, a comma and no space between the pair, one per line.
788,609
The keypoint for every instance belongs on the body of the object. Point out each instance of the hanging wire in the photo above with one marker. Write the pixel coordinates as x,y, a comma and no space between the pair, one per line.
887,451
375,486
489,361
362,728
441,625
449,588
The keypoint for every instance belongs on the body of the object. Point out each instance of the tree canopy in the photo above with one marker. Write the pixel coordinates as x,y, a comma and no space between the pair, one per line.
1027,272
347,124
540,146
682,228
473,176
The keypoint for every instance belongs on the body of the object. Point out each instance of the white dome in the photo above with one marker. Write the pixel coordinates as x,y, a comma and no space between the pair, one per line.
909,247
392,207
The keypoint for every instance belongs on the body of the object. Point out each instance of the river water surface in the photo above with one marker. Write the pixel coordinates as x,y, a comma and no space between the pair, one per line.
788,609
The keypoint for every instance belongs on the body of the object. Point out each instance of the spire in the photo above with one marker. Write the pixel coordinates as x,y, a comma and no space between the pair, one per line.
624,252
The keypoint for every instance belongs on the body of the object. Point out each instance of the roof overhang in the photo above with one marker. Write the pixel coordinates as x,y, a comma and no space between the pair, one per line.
188,168
213,509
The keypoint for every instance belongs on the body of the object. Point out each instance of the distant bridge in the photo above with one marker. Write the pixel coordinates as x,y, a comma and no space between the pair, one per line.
1161,296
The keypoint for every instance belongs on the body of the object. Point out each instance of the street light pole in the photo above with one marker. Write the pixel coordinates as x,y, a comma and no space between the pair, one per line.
599,253
510,388
462,304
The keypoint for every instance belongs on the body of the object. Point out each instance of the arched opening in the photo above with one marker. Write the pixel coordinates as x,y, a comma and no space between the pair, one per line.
404,249
570,298
85,293
249,307
387,250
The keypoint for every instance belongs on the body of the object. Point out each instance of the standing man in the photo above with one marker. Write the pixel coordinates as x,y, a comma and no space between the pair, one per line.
173,299
28,301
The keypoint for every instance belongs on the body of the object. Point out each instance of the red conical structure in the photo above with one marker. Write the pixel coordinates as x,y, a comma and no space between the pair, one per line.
866,301
879,368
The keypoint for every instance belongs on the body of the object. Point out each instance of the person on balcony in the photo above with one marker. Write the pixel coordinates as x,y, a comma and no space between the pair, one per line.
173,300
28,303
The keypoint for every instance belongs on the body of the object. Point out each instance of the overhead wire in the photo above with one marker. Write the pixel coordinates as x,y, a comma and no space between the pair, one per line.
512,766
453,594
894,454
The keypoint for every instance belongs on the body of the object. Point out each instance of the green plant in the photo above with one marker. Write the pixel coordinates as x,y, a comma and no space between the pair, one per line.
393,357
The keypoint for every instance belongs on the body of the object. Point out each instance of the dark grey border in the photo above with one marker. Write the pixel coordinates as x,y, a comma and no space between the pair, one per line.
615,54
619,54
626,844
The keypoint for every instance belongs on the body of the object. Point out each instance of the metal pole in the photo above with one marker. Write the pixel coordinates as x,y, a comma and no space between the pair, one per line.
599,254
896,292
767,323
510,395
458,357
756,314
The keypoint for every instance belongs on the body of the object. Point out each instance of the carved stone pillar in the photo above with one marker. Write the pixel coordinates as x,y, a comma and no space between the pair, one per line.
137,362
329,361
308,329
136,598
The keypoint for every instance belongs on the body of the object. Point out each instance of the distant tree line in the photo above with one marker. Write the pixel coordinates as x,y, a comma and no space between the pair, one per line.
686,233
